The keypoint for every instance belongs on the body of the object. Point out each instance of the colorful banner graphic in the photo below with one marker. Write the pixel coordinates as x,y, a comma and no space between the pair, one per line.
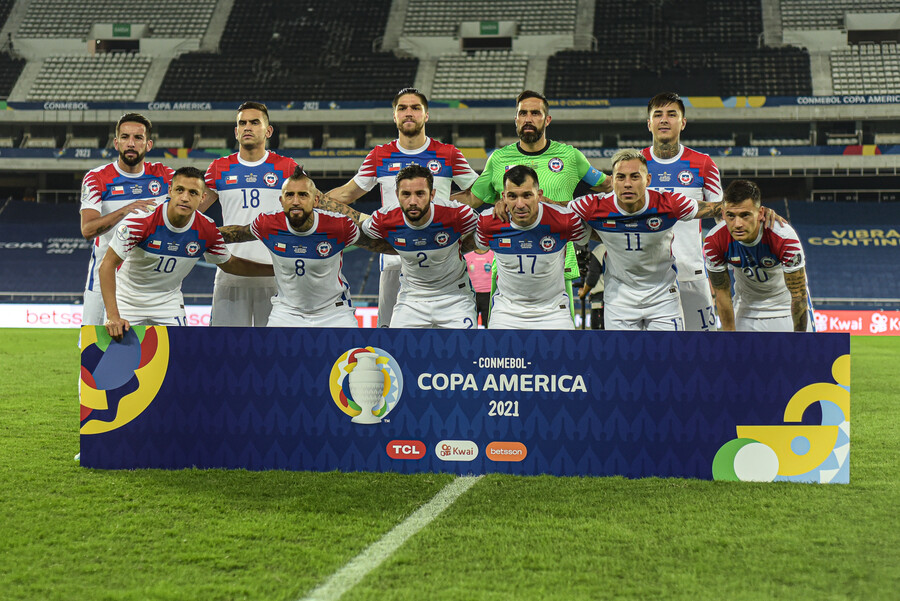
730,406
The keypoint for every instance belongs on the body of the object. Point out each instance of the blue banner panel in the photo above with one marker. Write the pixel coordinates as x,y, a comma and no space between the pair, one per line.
729,406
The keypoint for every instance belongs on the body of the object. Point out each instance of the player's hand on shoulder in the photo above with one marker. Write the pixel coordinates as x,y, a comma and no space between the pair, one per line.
116,328
501,210
146,205
770,217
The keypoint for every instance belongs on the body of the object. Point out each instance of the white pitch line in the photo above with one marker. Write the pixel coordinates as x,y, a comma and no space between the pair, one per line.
357,568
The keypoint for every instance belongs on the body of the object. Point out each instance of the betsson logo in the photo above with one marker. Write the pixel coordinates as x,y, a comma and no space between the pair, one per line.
456,450
406,449
506,451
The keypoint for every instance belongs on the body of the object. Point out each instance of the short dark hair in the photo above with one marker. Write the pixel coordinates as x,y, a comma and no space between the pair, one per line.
259,106
533,94
517,175
740,190
412,172
134,118
191,172
663,99
299,174
406,91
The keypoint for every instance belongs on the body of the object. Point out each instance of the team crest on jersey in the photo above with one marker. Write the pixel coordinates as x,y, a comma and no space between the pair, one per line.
555,165
768,262
323,248
547,243
685,177
154,187
654,223
434,167
270,178
192,248
442,238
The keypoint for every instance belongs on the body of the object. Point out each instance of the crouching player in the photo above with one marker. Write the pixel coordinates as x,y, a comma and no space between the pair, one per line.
156,252
770,288
307,247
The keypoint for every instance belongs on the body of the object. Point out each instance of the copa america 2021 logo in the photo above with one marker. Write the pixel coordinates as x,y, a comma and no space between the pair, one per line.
366,384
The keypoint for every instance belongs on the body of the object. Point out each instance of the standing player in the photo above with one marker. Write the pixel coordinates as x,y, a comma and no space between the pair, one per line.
635,224
478,264
675,168
770,288
529,251
110,193
412,147
157,252
559,167
248,184
435,291
306,246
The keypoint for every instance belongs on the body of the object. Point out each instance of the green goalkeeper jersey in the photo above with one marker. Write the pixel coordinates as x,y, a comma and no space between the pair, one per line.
559,168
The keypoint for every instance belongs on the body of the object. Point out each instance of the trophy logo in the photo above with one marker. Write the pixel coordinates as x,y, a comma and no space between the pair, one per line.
366,384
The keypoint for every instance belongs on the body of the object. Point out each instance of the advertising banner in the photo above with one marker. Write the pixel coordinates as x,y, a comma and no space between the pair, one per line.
729,406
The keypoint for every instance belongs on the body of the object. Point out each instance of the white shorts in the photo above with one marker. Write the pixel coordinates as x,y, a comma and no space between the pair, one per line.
388,290
506,315
697,306
179,319
240,306
764,324
283,316
446,311
92,310
663,317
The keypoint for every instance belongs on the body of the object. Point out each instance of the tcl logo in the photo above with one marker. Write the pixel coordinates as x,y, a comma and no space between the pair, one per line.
406,449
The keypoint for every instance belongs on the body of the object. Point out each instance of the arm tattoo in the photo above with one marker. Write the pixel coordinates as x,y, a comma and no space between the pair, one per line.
378,246
327,204
796,284
720,281
236,233
708,210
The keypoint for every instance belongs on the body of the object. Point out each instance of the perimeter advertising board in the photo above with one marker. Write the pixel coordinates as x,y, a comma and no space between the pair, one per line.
730,406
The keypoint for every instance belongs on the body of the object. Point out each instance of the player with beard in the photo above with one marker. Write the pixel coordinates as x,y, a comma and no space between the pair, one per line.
306,245
247,184
430,235
111,192
559,168
412,147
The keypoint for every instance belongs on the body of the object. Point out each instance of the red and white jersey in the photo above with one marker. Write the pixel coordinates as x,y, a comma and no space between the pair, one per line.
758,267
247,190
640,267
431,261
158,256
445,162
107,189
531,260
695,175
308,264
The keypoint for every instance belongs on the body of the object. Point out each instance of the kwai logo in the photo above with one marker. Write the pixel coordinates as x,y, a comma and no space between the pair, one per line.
456,450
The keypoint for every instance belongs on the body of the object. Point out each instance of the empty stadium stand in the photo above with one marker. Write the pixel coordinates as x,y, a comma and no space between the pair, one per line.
74,18
10,69
829,14
443,17
866,69
286,50
698,47
483,74
114,76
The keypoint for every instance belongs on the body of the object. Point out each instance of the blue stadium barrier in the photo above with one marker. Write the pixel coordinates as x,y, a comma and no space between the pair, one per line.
851,248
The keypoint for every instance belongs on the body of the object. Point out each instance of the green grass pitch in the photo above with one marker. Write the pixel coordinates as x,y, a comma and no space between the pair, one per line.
72,533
